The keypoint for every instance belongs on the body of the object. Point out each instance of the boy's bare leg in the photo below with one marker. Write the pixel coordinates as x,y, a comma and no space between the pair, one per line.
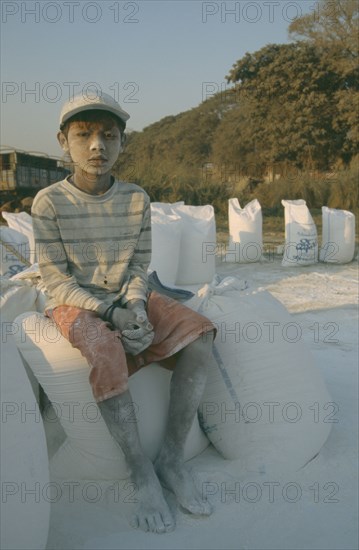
152,512
187,385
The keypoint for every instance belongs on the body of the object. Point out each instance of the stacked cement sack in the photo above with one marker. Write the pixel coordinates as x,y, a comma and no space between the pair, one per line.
338,237
245,232
301,238
183,243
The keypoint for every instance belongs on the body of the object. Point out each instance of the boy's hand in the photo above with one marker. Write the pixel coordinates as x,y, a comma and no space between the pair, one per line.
138,307
136,335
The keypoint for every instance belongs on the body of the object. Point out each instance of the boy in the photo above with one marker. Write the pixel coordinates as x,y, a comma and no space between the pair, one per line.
93,238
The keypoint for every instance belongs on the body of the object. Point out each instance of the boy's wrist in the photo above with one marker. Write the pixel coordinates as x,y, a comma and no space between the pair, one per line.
136,303
101,310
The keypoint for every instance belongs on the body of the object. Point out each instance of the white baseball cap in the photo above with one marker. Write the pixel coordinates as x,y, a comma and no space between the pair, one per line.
102,102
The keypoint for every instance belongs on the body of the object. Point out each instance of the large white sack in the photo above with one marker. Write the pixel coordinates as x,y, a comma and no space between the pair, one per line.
32,276
166,241
22,222
261,396
25,485
89,451
165,207
301,239
197,264
338,236
245,232
16,297
15,251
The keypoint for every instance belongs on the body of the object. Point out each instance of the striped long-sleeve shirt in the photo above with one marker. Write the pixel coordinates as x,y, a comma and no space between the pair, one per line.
93,249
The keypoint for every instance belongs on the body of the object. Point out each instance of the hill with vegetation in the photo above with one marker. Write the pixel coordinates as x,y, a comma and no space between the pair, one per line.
285,127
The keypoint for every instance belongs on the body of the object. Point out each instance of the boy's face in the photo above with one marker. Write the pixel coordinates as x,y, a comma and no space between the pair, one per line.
93,146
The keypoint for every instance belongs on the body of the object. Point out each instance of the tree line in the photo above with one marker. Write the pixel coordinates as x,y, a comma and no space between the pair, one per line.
288,109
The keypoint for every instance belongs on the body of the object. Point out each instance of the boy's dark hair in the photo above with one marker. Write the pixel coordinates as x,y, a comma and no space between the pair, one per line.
95,115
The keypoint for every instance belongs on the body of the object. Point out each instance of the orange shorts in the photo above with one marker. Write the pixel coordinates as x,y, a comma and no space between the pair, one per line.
175,326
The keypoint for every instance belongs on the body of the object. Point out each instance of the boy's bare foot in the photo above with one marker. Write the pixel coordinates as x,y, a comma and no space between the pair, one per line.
177,478
152,512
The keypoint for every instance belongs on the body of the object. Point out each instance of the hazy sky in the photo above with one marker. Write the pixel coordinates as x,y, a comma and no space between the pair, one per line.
157,58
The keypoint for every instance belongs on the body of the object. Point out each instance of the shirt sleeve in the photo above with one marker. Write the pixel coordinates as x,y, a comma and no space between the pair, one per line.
53,264
136,283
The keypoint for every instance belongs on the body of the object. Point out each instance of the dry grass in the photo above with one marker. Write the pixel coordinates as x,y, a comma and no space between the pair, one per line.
336,190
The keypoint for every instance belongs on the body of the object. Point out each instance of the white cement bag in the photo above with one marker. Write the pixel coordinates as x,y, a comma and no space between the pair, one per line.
22,222
338,236
31,275
259,401
25,482
245,232
15,251
166,242
301,239
165,207
198,245
16,297
89,451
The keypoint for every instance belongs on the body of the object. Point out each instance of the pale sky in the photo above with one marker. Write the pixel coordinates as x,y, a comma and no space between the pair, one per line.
157,58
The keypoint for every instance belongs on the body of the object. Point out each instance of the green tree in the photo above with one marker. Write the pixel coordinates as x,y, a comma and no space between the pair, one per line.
173,150
295,104
333,29
287,93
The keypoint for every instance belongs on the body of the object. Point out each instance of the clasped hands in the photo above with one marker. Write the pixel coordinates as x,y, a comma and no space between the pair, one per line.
137,331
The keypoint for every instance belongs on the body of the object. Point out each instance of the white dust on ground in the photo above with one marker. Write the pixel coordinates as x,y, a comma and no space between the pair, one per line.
314,508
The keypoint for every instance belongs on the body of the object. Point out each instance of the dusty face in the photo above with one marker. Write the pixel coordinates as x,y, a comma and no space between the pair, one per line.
93,146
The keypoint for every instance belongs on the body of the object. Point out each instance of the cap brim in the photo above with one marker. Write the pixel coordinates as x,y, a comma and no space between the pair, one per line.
98,107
